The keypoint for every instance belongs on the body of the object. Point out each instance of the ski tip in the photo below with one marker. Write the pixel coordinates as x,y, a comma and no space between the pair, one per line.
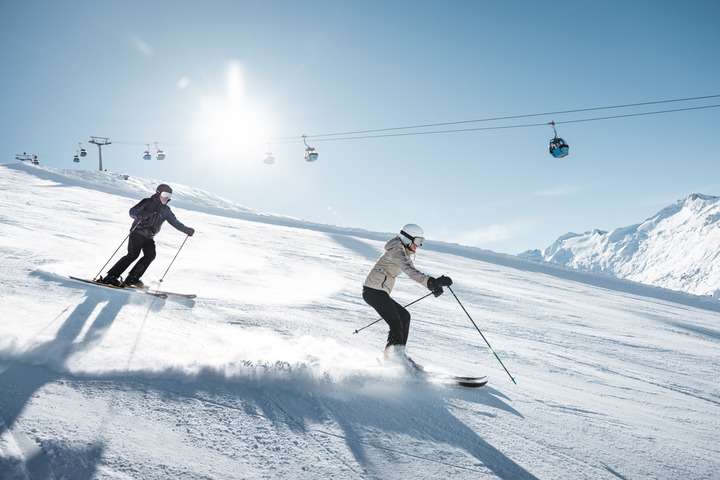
472,384
355,332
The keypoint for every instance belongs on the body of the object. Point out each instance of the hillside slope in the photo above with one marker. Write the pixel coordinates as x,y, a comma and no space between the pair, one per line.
261,376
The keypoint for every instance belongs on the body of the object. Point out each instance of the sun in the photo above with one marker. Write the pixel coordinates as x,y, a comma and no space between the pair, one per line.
231,122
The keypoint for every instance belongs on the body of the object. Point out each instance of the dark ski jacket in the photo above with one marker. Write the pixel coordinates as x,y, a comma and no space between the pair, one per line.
149,215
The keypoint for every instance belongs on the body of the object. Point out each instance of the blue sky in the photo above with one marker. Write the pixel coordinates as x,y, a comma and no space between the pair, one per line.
212,82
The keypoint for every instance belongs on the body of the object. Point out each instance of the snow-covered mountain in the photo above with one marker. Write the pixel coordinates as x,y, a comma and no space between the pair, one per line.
262,377
678,248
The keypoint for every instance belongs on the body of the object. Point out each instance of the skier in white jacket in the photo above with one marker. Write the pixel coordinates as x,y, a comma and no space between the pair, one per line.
379,284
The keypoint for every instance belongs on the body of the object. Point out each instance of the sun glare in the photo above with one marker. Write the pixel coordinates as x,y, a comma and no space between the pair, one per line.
231,123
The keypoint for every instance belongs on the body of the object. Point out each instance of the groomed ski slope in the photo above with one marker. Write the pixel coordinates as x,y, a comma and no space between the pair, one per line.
261,376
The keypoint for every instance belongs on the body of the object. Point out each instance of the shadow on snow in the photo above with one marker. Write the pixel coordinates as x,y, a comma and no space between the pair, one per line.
315,407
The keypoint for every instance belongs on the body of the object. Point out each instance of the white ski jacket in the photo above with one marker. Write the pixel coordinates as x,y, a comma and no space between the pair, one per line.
392,263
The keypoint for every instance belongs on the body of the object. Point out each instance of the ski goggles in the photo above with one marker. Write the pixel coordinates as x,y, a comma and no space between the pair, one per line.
416,240
165,194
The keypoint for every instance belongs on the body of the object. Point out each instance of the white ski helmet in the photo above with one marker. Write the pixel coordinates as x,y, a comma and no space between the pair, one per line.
412,233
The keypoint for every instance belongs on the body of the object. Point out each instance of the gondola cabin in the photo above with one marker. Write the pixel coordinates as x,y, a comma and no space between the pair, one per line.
311,154
559,147
269,158
83,153
76,159
147,156
160,155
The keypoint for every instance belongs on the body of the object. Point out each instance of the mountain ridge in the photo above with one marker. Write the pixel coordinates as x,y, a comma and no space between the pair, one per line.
675,249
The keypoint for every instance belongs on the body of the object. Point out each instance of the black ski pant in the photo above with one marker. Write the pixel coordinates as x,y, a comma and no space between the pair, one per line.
394,314
136,245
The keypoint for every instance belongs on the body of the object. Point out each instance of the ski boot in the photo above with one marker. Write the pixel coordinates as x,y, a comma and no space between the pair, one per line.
110,280
133,283
395,355
416,366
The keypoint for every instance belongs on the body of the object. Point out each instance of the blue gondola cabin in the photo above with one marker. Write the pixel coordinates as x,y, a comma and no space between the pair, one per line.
559,148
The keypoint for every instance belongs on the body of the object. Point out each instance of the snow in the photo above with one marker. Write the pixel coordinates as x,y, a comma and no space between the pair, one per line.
261,376
674,249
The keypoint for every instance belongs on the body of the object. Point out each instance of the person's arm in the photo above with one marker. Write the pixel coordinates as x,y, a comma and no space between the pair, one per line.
172,220
401,260
138,211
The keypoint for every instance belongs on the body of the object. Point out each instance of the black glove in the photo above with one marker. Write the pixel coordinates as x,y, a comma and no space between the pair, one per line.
190,231
436,289
442,281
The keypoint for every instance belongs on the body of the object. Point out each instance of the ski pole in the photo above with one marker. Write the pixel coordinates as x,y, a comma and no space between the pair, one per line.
173,260
483,336
111,256
376,321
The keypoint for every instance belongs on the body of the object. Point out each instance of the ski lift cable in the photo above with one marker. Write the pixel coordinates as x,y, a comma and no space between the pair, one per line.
460,130
164,143
360,134
511,117
639,114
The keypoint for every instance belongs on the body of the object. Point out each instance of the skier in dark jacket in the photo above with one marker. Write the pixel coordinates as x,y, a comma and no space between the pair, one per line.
148,215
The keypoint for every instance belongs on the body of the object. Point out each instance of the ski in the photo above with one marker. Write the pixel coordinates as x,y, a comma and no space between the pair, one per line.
93,282
162,292
463,381
156,293
471,383
172,294
459,380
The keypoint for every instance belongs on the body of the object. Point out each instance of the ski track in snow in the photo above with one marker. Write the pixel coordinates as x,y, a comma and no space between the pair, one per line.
261,376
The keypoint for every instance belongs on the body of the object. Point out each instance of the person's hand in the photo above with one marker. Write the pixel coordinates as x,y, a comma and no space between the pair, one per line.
436,289
190,231
439,282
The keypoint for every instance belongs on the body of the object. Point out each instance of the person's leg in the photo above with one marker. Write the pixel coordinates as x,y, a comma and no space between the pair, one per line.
387,308
404,320
135,245
138,270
